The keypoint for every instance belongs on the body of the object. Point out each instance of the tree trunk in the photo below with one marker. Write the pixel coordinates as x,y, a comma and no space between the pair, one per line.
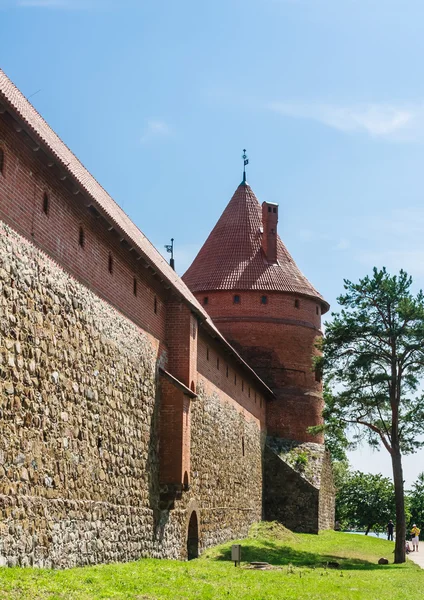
400,507
368,529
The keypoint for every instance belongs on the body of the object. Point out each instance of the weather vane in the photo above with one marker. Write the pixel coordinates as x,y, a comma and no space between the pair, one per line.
245,162
170,248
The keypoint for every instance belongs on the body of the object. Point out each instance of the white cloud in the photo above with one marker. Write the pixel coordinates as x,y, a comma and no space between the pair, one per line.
404,122
155,128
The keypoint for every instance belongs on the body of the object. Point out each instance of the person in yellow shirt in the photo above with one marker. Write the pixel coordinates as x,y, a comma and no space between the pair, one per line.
415,532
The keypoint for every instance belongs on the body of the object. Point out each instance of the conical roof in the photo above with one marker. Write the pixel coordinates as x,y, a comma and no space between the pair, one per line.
232,257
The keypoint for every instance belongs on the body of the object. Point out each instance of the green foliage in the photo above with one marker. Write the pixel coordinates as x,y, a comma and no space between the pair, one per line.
365,501
374,358
416,502
301,572
301,460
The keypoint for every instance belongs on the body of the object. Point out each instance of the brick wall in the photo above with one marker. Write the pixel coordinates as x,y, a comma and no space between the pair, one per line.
278,339
82,347
24,183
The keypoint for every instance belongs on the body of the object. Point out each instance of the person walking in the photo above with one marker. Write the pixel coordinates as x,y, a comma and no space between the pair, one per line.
415,532
390,527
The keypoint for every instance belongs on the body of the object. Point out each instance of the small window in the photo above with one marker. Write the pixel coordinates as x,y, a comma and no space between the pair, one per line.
296,303
236,299
207,353
135,286
318,374
45,204
81,237
217,363
1,161
242,385
249,391
205,300
242,445
235,379
264,299
269,209
255,397
274,210
227,371
155,305
110,264
317,310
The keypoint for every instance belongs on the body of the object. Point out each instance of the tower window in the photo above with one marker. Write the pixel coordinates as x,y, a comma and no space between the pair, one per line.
317,310
155,305
205,300
110,263
207,353
217,363
242,385
249,391
45,204
227,371
264,299
235,379
318,374
236,299
135,286
269,209
274,210
1,161
296,303
81,237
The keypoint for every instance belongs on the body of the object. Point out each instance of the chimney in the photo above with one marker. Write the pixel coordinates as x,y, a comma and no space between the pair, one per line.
269,236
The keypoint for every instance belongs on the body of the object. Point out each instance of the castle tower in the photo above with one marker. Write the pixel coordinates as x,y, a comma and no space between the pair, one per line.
256,295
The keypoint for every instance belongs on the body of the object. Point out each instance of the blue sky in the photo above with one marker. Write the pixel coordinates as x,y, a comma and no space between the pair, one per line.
157,98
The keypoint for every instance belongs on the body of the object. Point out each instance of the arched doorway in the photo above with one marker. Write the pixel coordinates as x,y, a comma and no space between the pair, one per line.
193,537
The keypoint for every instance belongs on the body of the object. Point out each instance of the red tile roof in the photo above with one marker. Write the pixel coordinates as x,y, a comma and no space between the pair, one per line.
39,129
232,256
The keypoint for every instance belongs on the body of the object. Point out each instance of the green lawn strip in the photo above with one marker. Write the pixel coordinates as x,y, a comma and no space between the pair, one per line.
302,573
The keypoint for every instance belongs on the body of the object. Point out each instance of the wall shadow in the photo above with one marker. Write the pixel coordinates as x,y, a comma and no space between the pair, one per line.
277,554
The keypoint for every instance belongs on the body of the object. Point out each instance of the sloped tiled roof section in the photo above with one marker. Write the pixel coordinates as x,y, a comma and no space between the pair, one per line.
232,257
16,102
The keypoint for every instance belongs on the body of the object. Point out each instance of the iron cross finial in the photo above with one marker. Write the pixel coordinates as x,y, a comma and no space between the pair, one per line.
245,162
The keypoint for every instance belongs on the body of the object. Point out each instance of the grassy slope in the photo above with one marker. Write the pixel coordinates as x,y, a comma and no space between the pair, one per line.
302,576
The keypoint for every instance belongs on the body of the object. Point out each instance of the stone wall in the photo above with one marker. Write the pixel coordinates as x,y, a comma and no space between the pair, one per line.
79,448
78,442
298,490
226,462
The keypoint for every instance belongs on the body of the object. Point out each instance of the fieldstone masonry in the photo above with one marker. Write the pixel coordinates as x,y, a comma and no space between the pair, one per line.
300,488
79,462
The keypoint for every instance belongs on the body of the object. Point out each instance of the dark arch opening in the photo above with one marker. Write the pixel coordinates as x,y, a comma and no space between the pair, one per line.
193,537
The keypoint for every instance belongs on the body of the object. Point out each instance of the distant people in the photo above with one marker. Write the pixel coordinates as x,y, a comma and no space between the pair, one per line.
415,532
390,527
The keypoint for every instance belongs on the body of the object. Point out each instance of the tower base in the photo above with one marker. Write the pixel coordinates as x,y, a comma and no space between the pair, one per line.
298,485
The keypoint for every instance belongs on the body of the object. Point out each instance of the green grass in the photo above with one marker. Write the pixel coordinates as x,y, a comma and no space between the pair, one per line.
302,574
